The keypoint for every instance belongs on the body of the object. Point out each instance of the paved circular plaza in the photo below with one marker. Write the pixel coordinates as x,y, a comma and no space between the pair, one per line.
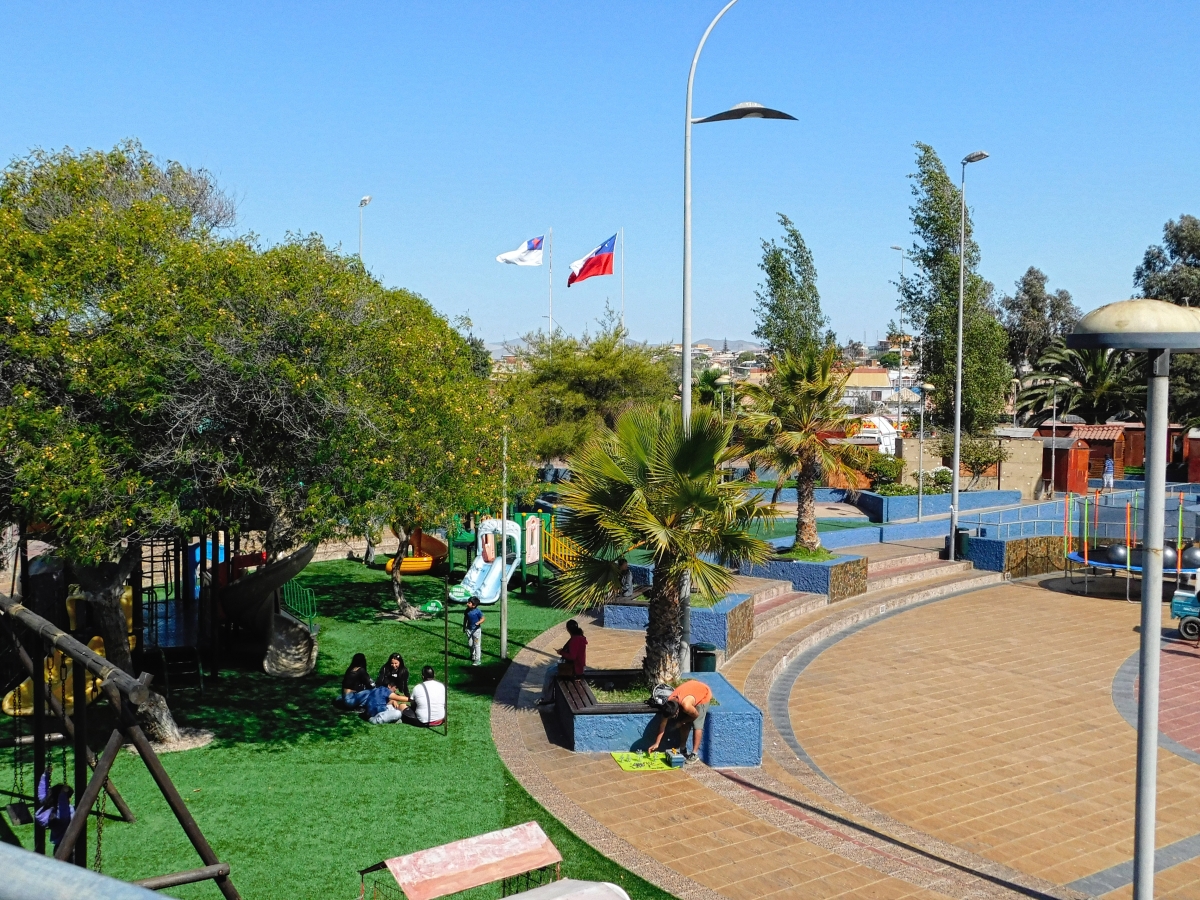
971,745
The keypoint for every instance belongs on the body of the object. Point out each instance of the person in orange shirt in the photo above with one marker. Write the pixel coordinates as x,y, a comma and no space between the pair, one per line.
687,707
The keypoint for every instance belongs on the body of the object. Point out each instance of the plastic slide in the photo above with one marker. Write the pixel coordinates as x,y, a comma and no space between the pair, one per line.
485,576
427,551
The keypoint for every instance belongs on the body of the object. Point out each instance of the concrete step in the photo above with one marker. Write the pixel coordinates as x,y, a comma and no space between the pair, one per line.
923,557
924,571
785,608
938,585
761,590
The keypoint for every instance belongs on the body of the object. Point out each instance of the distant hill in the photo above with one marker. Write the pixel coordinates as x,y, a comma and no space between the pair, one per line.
734,346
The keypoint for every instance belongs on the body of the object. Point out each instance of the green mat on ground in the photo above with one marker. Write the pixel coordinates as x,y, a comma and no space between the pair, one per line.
633,762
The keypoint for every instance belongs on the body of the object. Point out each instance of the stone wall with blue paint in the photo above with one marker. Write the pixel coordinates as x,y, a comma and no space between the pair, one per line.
709,623
732,733
838,578
888,509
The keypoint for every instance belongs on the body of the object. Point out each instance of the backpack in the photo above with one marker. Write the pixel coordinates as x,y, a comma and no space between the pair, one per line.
659,695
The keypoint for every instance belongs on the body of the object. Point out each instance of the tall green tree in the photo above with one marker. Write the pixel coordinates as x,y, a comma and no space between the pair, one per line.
930,298
158,376
646,485
570,386
788,310
792,424
1035,317
1171,271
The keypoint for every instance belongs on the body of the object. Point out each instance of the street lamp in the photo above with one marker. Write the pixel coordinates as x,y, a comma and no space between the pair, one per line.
900,368
723,382
741,111
925,389
1158,328
362,204
962,257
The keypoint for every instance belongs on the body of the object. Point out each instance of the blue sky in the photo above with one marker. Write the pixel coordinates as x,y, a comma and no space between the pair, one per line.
476,125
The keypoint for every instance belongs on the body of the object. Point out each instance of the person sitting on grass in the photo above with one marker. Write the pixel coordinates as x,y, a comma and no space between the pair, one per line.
687,707
384,706
356,683
394,674
428,706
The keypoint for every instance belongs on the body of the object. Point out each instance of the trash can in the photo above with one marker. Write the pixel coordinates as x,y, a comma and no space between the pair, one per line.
704,657
962,542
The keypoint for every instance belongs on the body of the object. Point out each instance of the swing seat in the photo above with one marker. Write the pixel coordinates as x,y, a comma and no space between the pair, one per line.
19,814
59,681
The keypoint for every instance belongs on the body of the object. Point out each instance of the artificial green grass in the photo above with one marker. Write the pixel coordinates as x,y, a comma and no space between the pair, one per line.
802,554
297,796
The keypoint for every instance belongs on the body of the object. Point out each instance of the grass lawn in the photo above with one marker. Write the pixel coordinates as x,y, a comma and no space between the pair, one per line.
297,797
805,555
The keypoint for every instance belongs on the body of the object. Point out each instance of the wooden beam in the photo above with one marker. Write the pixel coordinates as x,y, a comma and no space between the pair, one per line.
129,686
191,876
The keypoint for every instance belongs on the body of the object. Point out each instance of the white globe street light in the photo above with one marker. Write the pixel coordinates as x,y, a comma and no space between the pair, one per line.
1158,328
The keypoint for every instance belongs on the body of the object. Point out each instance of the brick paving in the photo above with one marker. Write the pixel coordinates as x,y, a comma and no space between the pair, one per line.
967,747
986,721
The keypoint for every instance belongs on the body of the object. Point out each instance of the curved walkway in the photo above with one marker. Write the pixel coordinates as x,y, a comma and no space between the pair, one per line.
964,746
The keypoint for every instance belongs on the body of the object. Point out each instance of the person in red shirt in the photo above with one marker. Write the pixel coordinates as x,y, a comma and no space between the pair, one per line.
574,653
687,707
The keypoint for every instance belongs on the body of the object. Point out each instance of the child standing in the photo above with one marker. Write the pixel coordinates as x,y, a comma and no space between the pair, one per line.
473,620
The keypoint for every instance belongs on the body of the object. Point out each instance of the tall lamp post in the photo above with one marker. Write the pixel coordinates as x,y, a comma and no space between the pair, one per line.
1157,328
900,368
362,204
741,111
962,268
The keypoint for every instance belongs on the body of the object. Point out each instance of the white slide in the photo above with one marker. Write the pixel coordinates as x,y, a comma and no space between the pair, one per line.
483,579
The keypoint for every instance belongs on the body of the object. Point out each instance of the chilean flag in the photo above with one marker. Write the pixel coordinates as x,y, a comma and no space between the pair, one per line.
598,262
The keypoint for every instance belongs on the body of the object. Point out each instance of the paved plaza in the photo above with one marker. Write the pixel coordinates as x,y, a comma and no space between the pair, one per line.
969,744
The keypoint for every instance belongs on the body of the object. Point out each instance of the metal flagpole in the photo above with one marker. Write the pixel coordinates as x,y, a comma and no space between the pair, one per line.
550,249
504,554
622,285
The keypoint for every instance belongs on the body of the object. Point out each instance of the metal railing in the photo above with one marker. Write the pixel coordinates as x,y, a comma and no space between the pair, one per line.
561,552
301,602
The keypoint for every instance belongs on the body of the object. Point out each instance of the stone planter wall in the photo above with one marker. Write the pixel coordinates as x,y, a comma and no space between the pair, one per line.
1017,557
728,624
889,509
838,578
732,732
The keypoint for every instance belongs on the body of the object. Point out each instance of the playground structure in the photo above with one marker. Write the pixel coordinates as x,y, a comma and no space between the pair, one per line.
496,560
427,551
25,630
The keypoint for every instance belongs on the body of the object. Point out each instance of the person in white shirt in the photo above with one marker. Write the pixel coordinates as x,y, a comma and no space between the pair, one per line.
427,703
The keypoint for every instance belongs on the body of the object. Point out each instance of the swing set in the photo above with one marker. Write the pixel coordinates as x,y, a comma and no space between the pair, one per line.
24,628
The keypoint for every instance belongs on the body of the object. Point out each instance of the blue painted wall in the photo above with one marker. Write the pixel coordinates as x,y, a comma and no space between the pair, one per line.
811,577
889,509
732,734
709,623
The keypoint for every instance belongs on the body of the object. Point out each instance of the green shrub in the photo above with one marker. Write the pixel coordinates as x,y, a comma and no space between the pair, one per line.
884,470
895,490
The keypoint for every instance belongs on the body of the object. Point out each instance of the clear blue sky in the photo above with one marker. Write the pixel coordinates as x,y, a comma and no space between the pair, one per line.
477,125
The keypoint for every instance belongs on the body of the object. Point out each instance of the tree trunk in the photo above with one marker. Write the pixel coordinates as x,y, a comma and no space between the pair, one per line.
405,609
806,513
102,588
664,633
775,493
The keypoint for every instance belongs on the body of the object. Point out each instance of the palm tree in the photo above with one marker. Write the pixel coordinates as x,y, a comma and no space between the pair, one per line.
645,485
793,424
1096,385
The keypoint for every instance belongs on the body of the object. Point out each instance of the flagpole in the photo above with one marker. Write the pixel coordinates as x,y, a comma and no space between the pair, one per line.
550,249
622,286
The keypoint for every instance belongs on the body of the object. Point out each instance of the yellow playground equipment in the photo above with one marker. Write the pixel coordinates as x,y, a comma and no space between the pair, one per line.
59,678
426,551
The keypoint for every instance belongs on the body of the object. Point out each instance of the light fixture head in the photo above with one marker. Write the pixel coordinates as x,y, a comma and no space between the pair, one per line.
1139,324
745,111
974,157
894,247
365,201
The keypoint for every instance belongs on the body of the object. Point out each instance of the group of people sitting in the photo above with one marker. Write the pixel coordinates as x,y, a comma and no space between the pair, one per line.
388,698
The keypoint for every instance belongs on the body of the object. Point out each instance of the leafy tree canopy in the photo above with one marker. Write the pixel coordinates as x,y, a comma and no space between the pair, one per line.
930,300
1096,385
156,375
1035,317
567,387
789,308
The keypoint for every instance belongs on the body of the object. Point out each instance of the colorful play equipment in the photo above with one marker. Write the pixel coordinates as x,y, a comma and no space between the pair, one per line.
496,558
59,678
425,552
